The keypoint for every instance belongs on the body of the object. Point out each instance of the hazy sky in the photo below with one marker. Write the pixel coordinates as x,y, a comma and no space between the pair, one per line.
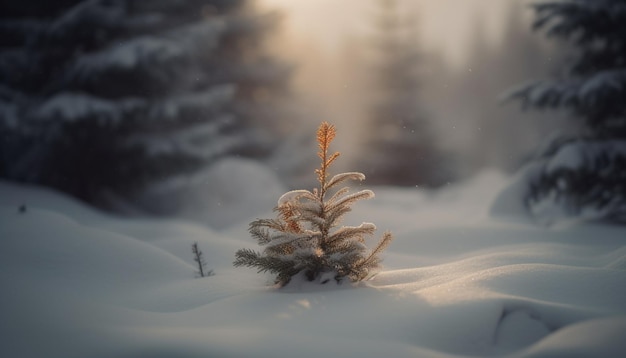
315,34
445,25
324,38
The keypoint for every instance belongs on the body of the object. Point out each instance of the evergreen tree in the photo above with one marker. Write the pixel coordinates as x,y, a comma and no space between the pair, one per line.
304,240
398,140
110,95
586,174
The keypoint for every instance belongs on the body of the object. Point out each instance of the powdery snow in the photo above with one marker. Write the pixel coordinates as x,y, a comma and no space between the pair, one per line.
128,55
227,192
156,50
456,283
607,82
73,107
577,155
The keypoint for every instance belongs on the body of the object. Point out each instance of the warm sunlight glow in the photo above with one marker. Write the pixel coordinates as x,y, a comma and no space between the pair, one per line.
329,40
446,25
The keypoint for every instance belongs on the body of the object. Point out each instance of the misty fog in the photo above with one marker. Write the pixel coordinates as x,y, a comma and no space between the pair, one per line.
468,55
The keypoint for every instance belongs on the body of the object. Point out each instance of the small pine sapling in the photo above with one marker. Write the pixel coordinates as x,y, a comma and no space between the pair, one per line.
199,259
304,239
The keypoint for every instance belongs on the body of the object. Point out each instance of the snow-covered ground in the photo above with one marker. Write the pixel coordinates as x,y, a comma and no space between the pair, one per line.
78,283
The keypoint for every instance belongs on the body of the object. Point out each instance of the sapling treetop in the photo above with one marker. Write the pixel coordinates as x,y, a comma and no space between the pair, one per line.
305,239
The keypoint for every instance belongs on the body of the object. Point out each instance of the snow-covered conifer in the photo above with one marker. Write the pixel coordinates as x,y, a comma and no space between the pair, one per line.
101,96
305,238
584,175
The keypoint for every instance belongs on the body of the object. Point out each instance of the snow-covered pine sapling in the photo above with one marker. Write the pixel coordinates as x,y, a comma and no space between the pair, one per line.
304,240
199,259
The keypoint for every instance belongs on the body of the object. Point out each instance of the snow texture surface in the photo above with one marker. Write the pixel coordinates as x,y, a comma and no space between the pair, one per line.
457,283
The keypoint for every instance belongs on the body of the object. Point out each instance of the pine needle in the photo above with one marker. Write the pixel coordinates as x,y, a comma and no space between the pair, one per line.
325,135
290,215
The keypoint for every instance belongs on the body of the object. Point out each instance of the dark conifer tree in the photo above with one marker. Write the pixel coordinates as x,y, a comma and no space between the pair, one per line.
585,174
110,95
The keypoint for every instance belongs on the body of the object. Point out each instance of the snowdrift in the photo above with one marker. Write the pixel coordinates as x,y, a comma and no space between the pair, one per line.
78,283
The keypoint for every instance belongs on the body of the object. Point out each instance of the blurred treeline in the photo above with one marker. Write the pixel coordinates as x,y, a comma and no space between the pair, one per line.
104,98
444,122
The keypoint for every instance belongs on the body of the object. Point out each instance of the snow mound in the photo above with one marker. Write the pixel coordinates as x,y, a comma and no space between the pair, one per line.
78,283
228,192
510,202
